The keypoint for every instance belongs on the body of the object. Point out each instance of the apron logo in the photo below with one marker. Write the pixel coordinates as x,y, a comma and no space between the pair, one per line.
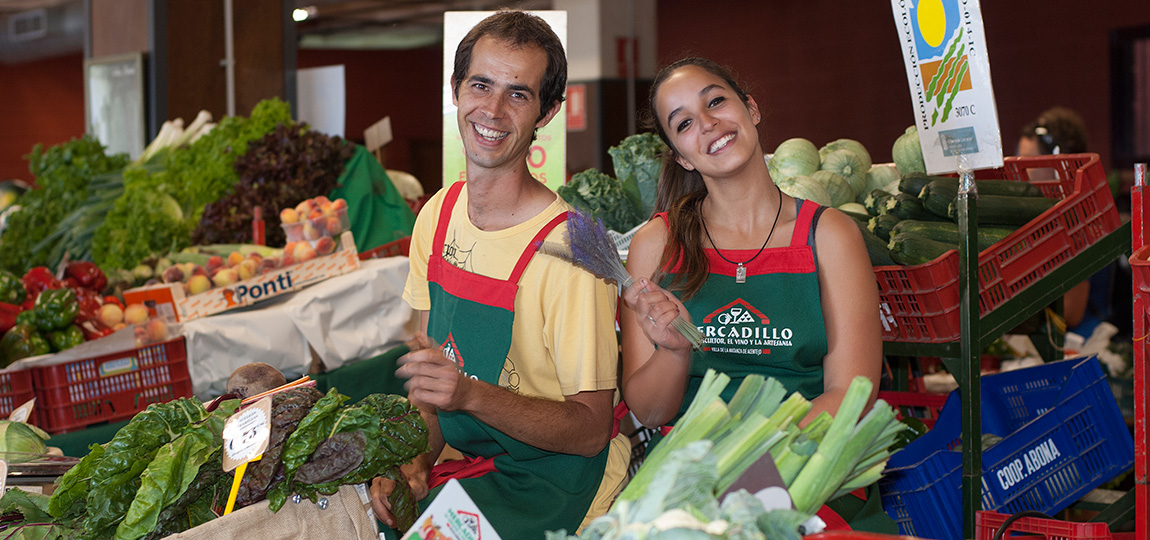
740,328
451,351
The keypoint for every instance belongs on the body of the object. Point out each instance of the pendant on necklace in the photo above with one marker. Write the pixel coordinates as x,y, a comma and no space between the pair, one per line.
741,274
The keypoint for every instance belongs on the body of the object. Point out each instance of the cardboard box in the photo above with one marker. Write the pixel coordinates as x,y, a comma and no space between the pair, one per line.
170,297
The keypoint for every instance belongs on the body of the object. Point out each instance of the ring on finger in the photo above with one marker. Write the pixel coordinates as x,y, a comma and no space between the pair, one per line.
650,318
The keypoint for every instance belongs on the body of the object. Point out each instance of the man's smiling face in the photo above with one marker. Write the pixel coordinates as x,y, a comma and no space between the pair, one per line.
498,103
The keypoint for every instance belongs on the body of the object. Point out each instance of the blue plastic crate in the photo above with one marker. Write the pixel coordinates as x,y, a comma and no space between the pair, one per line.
1062,436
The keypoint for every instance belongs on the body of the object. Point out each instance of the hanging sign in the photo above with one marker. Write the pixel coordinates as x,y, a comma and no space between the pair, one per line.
947,67
547,158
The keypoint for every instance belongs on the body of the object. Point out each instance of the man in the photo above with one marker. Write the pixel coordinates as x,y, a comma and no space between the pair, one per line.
518,367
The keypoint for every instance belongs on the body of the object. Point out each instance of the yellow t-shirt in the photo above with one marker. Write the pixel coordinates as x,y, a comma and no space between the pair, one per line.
563,334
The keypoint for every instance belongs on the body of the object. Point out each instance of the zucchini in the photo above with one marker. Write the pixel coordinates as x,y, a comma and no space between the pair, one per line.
906,206
1007,210
875,247
937,196
911,248
881,225
947,231
913,183
875,200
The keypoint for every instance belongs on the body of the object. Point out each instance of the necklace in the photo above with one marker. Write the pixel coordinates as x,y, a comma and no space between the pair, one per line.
740,270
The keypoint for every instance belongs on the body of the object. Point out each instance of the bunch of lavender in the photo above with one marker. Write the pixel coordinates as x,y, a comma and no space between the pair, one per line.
589,247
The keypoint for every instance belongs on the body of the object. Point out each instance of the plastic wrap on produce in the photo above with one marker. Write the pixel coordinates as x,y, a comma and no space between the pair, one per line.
357,316
346,318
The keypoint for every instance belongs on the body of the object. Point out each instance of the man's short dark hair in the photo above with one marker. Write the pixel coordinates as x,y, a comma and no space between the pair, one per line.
519,29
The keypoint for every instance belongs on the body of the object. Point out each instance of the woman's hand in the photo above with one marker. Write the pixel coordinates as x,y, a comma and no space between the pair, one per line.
655,309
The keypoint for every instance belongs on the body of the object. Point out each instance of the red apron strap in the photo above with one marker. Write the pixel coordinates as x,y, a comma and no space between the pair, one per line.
534,246
444,219
803,223
621,412
834,521
458,469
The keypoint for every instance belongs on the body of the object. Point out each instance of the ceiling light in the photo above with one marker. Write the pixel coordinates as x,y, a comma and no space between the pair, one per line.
303,14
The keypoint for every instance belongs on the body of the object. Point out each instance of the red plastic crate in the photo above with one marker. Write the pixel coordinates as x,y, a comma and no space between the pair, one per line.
1140,267
987,523
15,390
919,304
77,394
924,406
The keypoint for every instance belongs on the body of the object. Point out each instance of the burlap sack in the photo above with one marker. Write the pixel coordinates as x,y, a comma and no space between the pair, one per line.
346,516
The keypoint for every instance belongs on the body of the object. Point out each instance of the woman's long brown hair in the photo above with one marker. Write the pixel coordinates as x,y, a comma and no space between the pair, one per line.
681,193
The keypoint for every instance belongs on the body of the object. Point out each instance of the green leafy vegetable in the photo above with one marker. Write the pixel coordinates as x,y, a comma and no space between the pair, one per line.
602,197
160,207
638,160
289,164
62,173
312,430
173,469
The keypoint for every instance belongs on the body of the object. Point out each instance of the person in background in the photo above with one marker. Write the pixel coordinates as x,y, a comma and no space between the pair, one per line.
518,366
730,251
1059,130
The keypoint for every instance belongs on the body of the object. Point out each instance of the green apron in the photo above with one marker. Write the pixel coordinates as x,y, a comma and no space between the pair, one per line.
770,325
523,491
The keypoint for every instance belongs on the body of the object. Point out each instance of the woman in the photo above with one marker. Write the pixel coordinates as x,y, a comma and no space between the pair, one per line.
778,286
771,296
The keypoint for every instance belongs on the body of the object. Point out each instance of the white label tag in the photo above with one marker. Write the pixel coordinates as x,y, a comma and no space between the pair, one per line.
246,433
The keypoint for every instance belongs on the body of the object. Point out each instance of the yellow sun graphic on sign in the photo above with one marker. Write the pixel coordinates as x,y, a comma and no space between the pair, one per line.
932,21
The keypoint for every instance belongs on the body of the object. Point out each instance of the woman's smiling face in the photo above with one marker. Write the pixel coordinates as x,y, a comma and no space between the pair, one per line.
711,129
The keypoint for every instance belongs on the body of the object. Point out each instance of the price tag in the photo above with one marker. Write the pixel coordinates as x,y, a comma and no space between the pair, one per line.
246,434
3,476
23,412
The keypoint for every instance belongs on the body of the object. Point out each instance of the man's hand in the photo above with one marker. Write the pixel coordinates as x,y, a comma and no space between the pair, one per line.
382,487
433,379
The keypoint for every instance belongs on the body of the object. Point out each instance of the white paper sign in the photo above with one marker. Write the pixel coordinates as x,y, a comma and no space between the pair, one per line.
451,516
947,67
547,159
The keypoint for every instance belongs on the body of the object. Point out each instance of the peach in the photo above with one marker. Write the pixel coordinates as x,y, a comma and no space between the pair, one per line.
198,283
288,248
289,215
225,277
287,260
338,204
310,232
111,315
255,256
267,265
303,252
303,209
214,262
135,314
235,258
173,274
198,270
157,330
246,269
325,245
333,226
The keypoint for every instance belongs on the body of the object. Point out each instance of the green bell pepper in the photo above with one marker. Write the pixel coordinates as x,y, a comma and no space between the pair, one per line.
67,338
22,341
11,288
27,316
56,309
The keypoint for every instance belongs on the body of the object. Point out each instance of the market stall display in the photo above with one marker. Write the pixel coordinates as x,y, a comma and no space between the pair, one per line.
162,472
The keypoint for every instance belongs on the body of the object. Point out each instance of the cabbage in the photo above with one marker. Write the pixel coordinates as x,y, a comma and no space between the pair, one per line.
848,165
837,187
21,442
794,157
847,144
907,152
805,187
880,176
